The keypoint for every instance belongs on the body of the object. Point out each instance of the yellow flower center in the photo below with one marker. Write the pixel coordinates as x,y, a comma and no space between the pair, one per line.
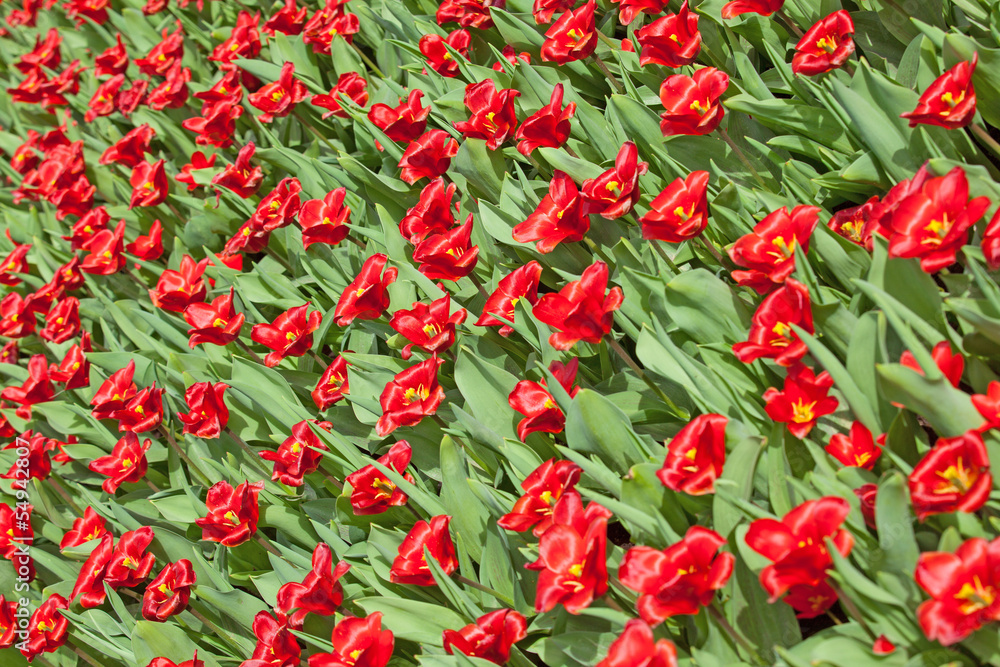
412,393
976,596
232,518
957,478
802,412
702,109
219,323
828,43
384,488
296,447
786,249
939,229
952,101
46,626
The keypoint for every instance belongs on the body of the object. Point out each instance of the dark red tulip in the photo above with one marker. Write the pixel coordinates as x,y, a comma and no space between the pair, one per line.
521,283
679,212
431,327
241,177
176,290
148,247
671,41
208,412
804,399
490,637
276,645
126,463
143,412
615,192
162,56
572,37
288,20
857,450
130,563
149,184
511,57
352,86
427,156
544,10
107,252
63,321
866,494
169,591
243,42
410,566
36,464
47,629
91,526
112,395
232,513
855,223
432,214
468,13
762,7
325,220
357,642
695,456
402,123
172,93
113,60
217,323
279,98
581,310
366,297
277,208
131,149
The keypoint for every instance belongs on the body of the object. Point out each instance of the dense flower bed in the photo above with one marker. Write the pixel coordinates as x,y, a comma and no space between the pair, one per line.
536,332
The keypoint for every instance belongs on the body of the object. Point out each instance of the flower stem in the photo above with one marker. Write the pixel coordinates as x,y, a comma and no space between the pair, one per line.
714,252
184,457
790,23
485,589
279,259
214,628
312,129
479,286
604,68
597,250
264,542
742,156
720,618
620,351
253,355
319,359
985,137
59,485
853,610
374,68
663,254
254,456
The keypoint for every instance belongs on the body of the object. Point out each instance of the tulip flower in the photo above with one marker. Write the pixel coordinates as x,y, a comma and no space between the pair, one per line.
148,247
949,102
371,491
680,579
572,566
290,335
695,456
114,392
232,513
581,310
402,123
319,593
615,192
434,48
679,212
217,323
963,589
933,222
332,385
357,641
429,327
169,591
63,321
366,297
493,116
797,549
762,7
240,177
561,216
149,183
636,646
198,162
8,622
352,86
176,290
771,335
857,450
130,149
17,316
534,401
143,412
449,255
91,526
543,488
279,98
572,37
549,126
954,476
106,250
769,251
489,638
162,56
89,585
866,494
130,563
16,534
410,396
299,455
47,629
543,10
855,223
468,13
991,242
410,566
691,105
324,27
113,60
276,645
278,208
804,399
428,156
521,283
511,57
951,364
126,463
288,20
826,45
172,93
671,41
988,405
36,464
208,412
432,214
243,42
103,102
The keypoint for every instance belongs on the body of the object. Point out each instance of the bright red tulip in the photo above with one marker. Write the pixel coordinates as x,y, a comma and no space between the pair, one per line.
680,211
448,255
126,463
143,412
857,450
176,290
636,647
542,489
62,322
162,56
769,251
208,412
544,10
279,98
217,323
534,401
47,629
91,526
371,491
410,396
290,335
107,252
561,216
953,477
352,86
16,534
410,566
299,455
468,13
366,297
581,310
949,102
332,385
615,192
804,399
243,42
319,593
493,117
357,642
771,335
521,283
241,177
198,162
232,513
762,7
149,183
432,214
402,123
36,464
696,455
276,645
131,149
855,223
671,41
148,247
130,563
438,57
549,126
826,45
427,156
112,395
511,57
429,327
288,20
951,364
113,60
490,637
168,593
691,105
572,37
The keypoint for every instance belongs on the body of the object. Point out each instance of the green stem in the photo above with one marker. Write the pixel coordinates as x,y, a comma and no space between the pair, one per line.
253,355
742,156
60,486
597,250
663,255
254,456
853,610
485,589
312,129
620,351
372,66
184,457
720,618
985,137
790,23
604,68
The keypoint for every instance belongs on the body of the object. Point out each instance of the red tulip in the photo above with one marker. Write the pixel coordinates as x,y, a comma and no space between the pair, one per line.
247,240
615,192
490,637
543,10
549,126
635,647
511,57
410,396
8,622
933,222
299,455
126,463
402,123
89,585
691,105
91,526
366,297
866,494
429,327
561,216
468,13
86,228
130,564
198,162
769,251
410,566
112,395
176,290
143,412
241,177
290,335
771,335
826,45
427,156
855,223
572,37
104,100
951,364
991,242
319,593
543,488
521,283
679,212
9,353
988,405
63,321
113,60
162,56
858,450
571,556
493,116
352,86
208,412
172,93
449,255
279,98
288,20
278,208
149,183
332,385
47,629
680,579
232,513
581,310
535,402
276,645
16,536
148,247
432,214
438,57
217,323
217,124
672,41
796,546
325,25
371,491
762,7
106,250
130,150
804,399
949,102
168,593
963,588
243,42
357,642
36,464
953,477
695,456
